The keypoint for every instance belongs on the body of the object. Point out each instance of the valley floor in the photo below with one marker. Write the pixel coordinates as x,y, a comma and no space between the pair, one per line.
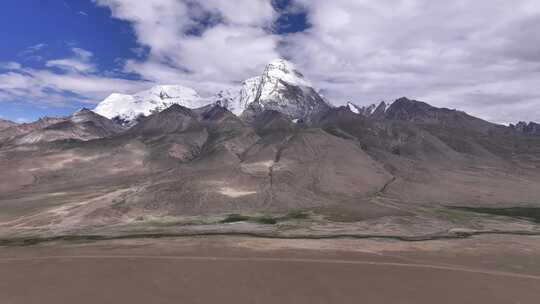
480,269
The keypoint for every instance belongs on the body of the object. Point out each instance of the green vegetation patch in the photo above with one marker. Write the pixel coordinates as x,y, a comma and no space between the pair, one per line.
298,215
171,221
266,220
352,212
529,213
235,218
453,215
342,214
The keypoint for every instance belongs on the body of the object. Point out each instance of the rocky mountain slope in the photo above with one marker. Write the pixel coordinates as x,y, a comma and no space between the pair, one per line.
25,128
418,112
273,147
182,161
284,89
530,128
82,125
4,124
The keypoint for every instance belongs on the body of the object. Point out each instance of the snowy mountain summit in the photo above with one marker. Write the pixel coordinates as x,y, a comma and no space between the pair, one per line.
281,87
128,108
285,71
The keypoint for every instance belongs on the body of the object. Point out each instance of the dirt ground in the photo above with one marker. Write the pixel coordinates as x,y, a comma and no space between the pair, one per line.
486,269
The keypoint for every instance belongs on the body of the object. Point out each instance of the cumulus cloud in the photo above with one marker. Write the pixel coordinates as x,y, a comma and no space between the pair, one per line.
73,79
481,56
208,43
80,62
242,12
49,88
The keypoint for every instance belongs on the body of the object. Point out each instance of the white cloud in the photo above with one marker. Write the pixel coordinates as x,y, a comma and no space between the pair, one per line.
12,80
242,12
231,39
36,47
32,53
80,62
63,81
73,79
82,54
71,64
10,65
49,87
84,85
447,53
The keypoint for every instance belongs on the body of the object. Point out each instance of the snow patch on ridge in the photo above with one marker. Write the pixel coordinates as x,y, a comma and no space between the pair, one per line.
353,108
237,100
370,110
158,98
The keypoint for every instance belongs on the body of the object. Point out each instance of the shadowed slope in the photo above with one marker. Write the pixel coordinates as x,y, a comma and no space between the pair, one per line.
4,124
83,125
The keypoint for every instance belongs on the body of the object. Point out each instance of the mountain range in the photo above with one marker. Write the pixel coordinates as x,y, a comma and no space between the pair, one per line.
271,145
530,128
280,87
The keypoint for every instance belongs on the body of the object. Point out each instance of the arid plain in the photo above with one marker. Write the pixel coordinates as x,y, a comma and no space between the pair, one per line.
484,269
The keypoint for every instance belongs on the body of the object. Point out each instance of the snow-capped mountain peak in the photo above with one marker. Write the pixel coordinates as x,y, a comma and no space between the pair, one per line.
281,88
127,108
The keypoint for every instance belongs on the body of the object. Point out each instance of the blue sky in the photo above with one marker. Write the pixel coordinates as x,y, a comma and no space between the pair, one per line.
41,31
38,31
58,56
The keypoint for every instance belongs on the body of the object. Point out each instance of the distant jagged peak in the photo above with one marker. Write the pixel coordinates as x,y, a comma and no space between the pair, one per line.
415,108
177,109
83,110
405,109
376,110
404,101
174,119
530,128
382,108
84,114
4,124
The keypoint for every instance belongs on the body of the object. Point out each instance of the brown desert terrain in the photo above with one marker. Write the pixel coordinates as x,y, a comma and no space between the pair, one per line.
487,269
